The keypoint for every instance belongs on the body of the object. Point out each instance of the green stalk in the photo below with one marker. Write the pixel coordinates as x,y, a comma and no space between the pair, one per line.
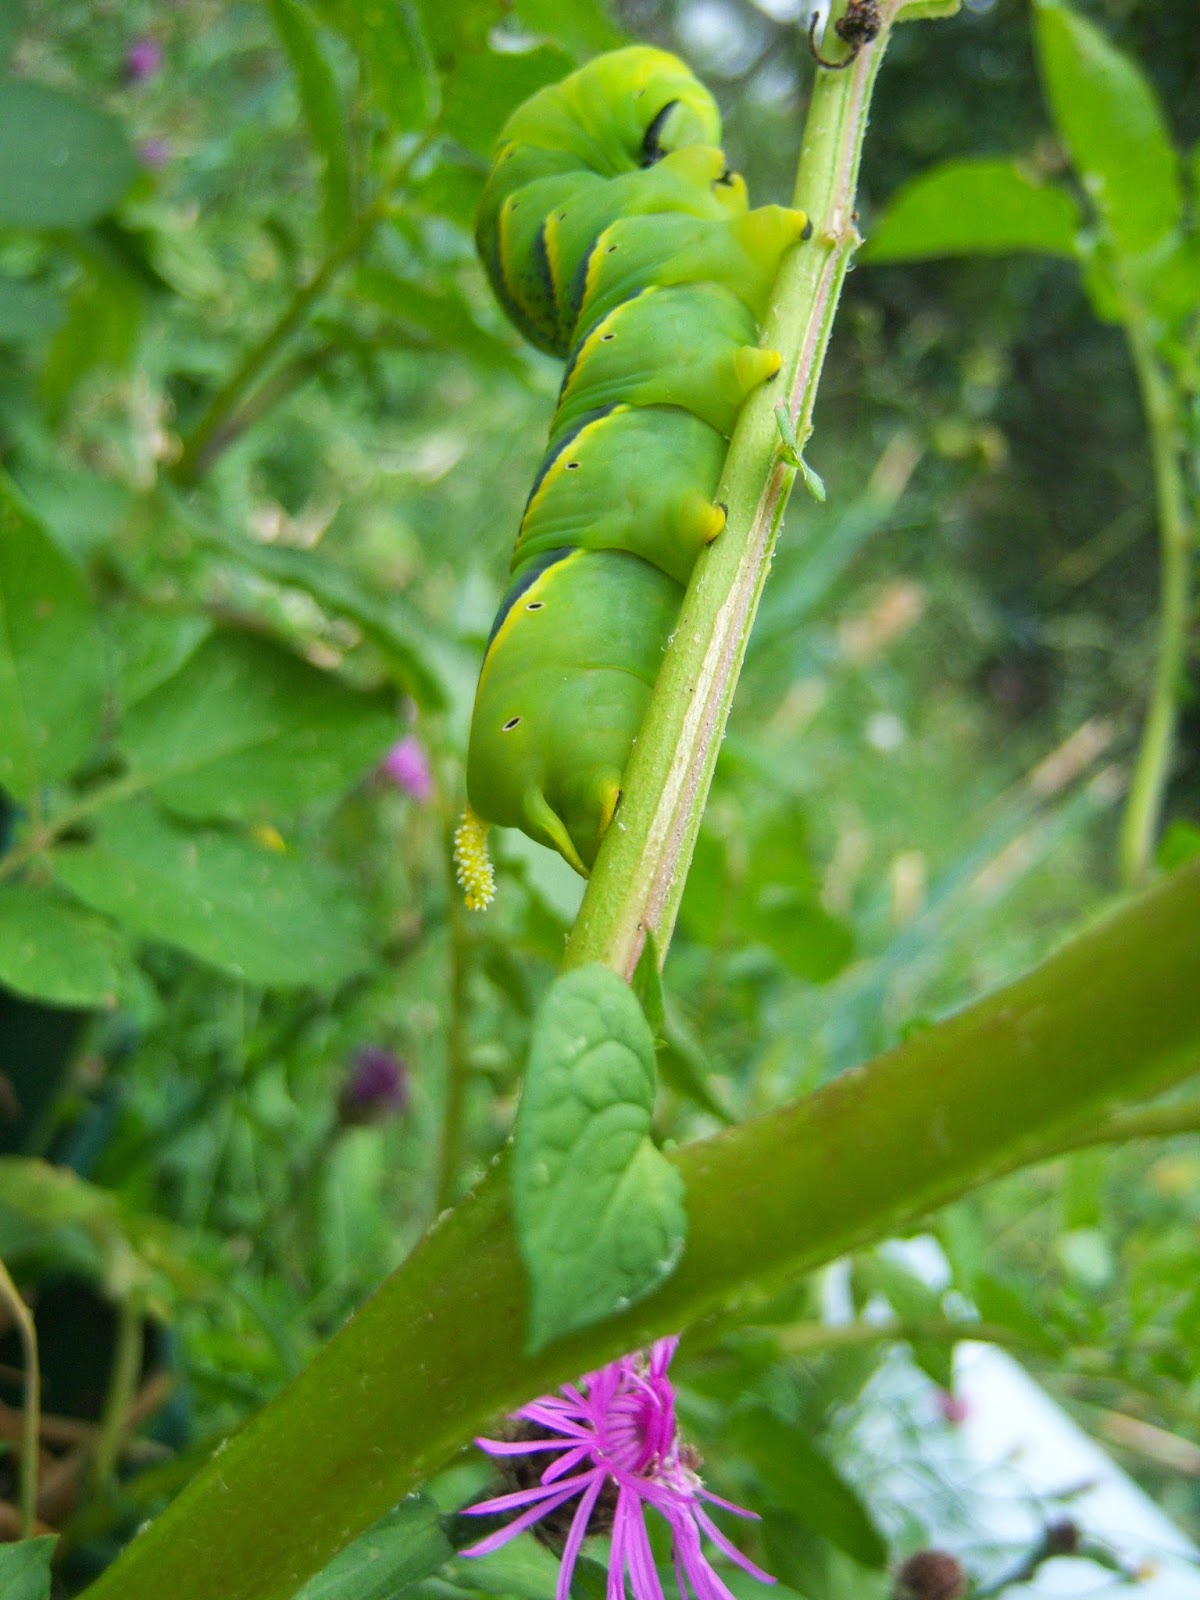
639,876
439,1350
122,1387
1152,769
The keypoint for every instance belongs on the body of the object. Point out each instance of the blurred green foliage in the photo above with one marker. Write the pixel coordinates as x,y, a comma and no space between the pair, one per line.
264,440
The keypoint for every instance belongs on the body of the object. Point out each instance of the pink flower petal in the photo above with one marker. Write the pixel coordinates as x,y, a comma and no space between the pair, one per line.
518,1525
523,1497
570,1555
729,1548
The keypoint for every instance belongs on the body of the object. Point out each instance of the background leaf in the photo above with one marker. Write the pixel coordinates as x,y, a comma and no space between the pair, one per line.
973,208
321,103
599,1210
246,730
50,655
803,1481
1111,123
63,164
403,1547
264,916
28,310
54,951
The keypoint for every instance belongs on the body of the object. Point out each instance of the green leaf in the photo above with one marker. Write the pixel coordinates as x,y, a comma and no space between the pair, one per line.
913,1301
404,1546
28,310
973,208
392,631
321,104
582,26
799,1479
1111,123
245,730
599,1211
809,941
11,22
1180,843
522,1570
485,87
441,319
54,951
148,647
63,164
101,327
390,43
264,916
25,1568
50,655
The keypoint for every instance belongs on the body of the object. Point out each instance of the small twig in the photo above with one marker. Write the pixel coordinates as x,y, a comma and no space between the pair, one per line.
30,1414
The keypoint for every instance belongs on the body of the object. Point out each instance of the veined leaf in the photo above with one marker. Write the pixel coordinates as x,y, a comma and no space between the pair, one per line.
599,1211
25,1568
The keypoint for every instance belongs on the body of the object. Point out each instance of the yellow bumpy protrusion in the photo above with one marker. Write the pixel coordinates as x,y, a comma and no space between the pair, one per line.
472,864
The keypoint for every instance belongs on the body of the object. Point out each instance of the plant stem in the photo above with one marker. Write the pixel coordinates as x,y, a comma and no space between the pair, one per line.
31,1426
1127,1125
439,1349
122,1386
638,878
1143,808
454,1105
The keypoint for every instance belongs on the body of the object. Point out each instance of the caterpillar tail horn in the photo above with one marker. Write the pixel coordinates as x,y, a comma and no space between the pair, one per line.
472,864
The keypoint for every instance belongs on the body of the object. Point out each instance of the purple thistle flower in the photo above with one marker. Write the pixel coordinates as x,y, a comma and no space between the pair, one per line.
377,1088
142,60
614,1436
407,765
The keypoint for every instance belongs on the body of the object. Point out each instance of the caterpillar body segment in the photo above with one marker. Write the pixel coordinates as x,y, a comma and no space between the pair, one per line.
691,347
660,505
562,692
615,237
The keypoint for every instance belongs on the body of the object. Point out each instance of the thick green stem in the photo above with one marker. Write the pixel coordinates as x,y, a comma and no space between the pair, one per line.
440,1348
638,879
1152,769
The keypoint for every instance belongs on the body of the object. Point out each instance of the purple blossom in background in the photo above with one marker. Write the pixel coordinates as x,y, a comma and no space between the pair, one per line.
615,1448
154,153
376,1089
142,60
407,765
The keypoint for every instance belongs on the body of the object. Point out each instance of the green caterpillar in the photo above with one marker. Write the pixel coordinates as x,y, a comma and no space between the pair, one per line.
615,236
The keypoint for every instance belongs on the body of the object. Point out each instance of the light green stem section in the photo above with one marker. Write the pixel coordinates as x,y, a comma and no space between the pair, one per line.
1152,769
639,875
439,1350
